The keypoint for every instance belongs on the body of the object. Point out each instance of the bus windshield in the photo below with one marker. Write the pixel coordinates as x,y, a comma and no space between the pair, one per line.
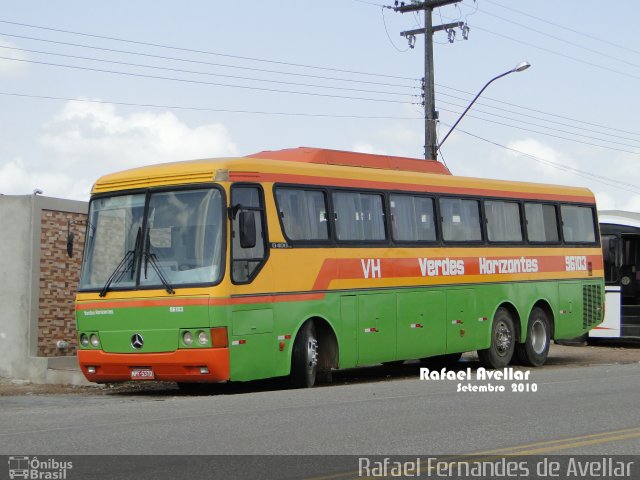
177,242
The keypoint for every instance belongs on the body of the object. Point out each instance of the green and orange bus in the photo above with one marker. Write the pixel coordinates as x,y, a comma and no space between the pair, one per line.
302,261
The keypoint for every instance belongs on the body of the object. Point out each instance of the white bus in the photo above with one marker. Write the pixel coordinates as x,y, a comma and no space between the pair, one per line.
620,232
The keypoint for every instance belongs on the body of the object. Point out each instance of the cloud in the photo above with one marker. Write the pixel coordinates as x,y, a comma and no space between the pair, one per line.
89,134
394,139
17,178
551,161
12,67
85,141
367,148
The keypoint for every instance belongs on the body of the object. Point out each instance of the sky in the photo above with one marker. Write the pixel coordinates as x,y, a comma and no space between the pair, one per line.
89,88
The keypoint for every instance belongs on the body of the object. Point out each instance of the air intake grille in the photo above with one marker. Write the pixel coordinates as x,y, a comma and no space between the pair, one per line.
591,305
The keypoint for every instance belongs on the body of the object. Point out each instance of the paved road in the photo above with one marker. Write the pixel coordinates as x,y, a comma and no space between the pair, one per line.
380,416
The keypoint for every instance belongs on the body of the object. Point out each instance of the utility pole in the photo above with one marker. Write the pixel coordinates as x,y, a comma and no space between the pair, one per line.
428,87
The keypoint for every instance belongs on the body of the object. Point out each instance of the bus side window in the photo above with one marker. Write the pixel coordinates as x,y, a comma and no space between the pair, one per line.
542,222
460,220
577,224
247,261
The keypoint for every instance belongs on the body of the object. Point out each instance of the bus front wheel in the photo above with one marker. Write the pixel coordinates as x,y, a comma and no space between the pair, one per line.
535,349
503,339
304,361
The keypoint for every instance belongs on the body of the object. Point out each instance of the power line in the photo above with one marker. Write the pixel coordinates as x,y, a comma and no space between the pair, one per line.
205,109
540,111
205,52
535,118
155,67
560,39
564,27
272,71
319,77
553,52
386,30
374,4
582,173
544,133
202,82
202,62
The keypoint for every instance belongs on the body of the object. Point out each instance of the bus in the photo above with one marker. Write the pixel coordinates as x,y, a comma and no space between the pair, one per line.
621,254
298,262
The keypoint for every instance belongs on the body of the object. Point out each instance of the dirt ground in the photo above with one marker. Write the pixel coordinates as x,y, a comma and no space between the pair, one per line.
560,356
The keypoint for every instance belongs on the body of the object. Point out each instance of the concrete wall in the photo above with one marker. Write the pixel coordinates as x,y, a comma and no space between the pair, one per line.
16,234
23,254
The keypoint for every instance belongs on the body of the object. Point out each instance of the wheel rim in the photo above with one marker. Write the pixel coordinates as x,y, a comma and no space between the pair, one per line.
504,338
312,354
538,336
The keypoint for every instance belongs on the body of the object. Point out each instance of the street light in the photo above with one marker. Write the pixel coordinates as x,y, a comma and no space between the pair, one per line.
518,68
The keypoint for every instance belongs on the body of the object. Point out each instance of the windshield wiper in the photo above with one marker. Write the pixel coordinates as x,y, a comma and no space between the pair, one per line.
129,260
151,258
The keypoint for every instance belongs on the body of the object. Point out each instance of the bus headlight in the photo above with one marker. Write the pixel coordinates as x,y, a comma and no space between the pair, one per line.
84,340
187,338
95,341
203,338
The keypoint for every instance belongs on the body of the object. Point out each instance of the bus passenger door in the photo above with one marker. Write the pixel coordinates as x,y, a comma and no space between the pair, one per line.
462,321
376,328
253,347
421,324
621,257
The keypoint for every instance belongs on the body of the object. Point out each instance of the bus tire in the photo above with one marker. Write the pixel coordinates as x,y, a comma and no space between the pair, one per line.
535,349
503,339
304,360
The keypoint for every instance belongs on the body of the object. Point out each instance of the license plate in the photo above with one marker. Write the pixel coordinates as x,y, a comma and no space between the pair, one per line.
142,374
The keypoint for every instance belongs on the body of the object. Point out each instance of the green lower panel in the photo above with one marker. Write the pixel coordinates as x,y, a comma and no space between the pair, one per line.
370,326
263,350
376,328
250,321
421,324
464,331
569,322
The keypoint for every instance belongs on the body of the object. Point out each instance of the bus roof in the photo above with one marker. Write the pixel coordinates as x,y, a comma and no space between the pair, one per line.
353,159
619,217
332,168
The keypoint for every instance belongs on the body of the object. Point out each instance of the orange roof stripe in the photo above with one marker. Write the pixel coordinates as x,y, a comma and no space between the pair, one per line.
353,159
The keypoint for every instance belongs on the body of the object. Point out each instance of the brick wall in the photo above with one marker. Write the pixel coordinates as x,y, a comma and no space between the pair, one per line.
59,277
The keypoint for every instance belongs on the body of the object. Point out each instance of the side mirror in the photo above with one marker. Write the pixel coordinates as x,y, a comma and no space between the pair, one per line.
247,227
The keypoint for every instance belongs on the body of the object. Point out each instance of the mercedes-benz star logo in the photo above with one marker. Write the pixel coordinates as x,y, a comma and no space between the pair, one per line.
137,341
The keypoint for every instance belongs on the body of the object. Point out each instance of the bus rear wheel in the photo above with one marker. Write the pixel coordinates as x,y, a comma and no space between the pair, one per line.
503,339
304,361
535,349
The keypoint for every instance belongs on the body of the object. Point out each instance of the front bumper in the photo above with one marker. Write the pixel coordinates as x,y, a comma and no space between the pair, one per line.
179,366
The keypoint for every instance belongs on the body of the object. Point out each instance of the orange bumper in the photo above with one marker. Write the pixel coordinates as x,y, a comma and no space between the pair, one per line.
179,366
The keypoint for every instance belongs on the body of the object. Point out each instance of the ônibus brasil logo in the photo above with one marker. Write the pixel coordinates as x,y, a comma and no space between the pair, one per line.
33,468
